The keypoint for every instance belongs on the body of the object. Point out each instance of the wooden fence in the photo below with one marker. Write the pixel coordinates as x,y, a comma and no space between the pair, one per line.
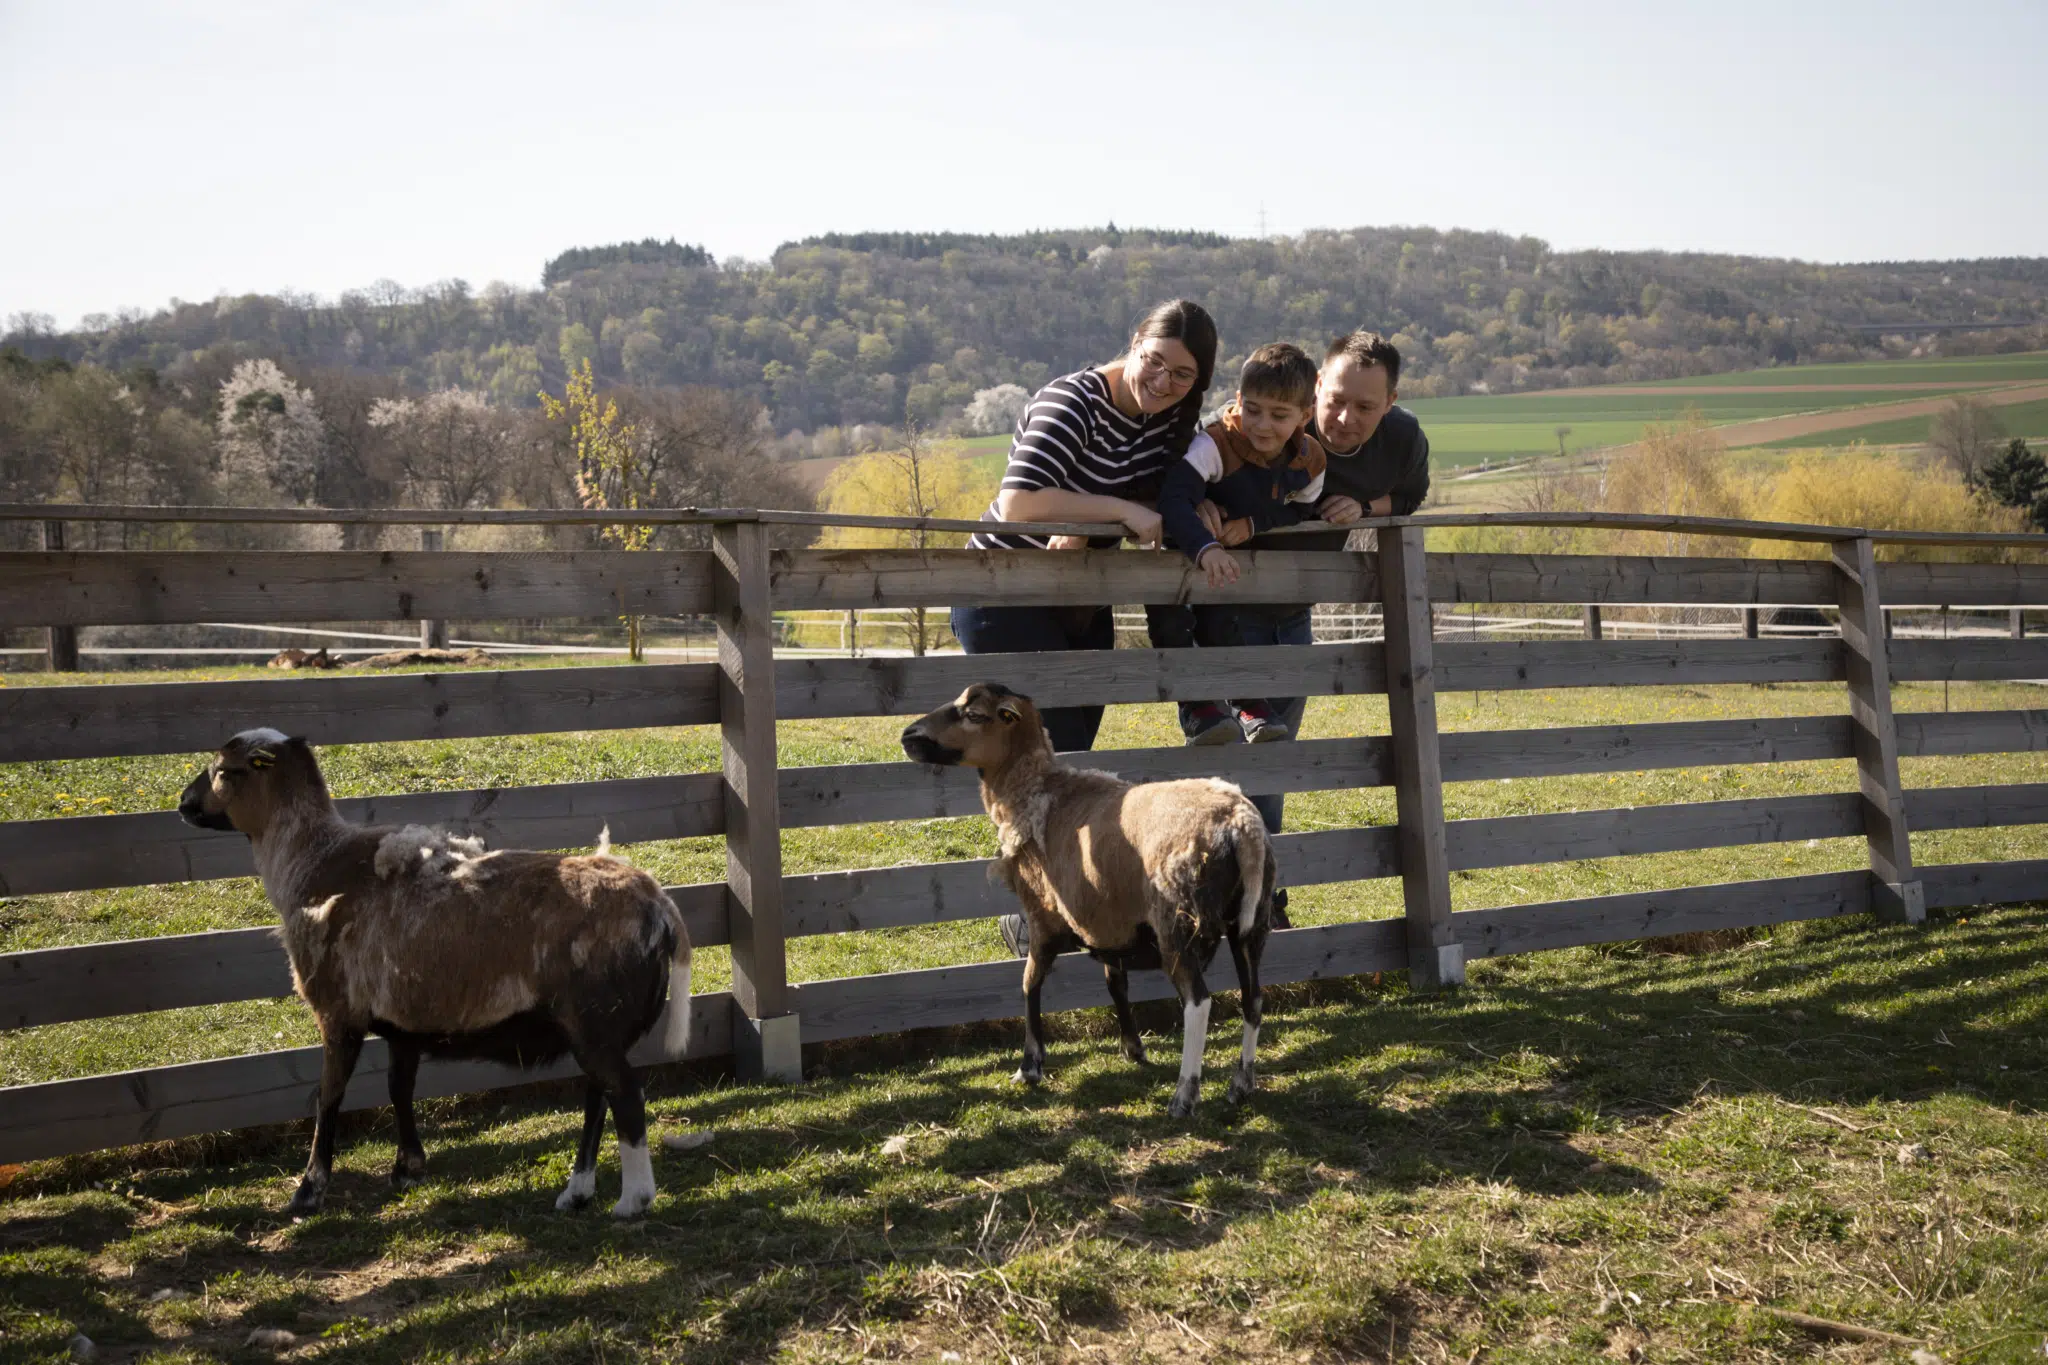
765,1017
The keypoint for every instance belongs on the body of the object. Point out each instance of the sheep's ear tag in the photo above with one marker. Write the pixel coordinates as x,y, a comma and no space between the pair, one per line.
261,758
1010,714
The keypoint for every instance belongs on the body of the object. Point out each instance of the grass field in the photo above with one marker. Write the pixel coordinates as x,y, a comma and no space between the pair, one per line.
1508,427
1597,1151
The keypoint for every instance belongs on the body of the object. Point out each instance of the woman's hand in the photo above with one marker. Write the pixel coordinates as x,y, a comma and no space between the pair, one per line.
1067,543
1220,566
1141,523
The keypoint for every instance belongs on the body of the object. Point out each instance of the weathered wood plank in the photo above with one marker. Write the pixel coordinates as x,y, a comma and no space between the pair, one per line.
39,723
936,893
1508,841
1925,733
859,792
1964,585
1953,884
2021,803
1647,914
813,688
59,1118
1627,578
1507,666
1478,755
81,853
136,976
119,588
1435,957
1866,665
861,1006
765,1038
1974,660
839,579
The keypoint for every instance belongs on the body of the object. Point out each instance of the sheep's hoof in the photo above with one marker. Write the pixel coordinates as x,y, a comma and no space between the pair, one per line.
1241,1087
581,1187
1028,1076
408,1171
307,1201
632,1205
1183,1105
1134,1051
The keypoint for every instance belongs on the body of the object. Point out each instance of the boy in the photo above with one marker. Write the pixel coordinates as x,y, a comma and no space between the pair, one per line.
1260,467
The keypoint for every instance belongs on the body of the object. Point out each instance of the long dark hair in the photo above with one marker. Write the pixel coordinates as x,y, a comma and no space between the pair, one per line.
1189,323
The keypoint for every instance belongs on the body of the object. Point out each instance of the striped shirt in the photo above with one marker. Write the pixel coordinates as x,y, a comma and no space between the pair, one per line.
1071,436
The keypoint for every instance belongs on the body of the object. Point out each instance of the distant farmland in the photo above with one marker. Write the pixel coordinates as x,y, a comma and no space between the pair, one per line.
1466,431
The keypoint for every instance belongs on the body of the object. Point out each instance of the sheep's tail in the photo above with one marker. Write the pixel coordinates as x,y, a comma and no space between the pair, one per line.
1257,872
675,1038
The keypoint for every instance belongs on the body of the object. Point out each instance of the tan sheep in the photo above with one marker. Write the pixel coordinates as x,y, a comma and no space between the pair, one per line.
1155,874
448,950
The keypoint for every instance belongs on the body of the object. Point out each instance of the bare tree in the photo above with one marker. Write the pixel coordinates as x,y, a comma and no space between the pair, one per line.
1965,434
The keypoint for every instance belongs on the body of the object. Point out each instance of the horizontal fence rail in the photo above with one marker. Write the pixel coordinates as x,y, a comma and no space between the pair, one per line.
742,581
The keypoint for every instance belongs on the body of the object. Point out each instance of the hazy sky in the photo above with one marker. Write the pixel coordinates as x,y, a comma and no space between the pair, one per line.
175,149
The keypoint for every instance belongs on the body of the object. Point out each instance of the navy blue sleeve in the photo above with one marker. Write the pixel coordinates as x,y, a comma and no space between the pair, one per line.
1179,495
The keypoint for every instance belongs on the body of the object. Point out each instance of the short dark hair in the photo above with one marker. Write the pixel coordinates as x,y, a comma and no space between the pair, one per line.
1368,349
1282,372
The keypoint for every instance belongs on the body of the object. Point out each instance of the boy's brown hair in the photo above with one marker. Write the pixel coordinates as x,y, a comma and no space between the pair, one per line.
1282,372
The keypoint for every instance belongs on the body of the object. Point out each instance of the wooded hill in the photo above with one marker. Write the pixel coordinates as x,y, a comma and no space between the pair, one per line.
864,327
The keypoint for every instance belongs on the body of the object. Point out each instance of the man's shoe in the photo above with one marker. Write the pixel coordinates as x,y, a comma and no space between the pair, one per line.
1015,936
1207,723
1262,729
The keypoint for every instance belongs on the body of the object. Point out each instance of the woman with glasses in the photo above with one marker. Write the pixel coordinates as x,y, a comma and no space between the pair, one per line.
1093,446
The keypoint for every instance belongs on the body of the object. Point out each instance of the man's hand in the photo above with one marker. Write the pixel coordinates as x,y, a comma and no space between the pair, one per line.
1067,543
1211,517
1220,566
1339,510
1236,531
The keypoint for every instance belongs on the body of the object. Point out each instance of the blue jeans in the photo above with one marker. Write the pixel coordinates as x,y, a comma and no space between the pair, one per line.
1038,630
1259,625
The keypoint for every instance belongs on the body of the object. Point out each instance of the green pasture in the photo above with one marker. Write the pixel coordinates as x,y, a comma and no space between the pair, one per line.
2019,419
1989,369
1603,1153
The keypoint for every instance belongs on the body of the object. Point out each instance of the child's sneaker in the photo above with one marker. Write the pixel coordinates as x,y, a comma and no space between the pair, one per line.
1260,725
1204,722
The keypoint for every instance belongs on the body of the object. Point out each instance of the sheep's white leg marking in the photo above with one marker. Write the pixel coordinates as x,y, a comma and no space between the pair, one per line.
638,1169
582,1185
1194,1038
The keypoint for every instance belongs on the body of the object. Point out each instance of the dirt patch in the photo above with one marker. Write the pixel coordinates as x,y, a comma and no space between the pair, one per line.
1768,429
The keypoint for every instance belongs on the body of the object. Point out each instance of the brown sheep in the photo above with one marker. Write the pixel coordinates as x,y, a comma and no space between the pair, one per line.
1138,875
449,951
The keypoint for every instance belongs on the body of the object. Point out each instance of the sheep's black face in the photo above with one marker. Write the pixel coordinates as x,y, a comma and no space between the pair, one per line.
923,747
979,729
193,805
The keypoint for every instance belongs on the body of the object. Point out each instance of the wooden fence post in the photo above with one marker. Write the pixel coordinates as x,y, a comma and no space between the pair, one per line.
1895,893
2017,624
1751,623
1591,614
767,1039
433,634
1436,957
63,639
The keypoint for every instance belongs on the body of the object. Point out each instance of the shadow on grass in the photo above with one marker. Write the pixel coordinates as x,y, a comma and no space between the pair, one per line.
795,1220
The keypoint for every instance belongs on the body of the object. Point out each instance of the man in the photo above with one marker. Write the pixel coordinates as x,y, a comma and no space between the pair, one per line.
1378,455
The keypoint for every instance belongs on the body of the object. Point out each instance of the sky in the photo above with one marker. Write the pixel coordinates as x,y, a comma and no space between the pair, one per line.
183,150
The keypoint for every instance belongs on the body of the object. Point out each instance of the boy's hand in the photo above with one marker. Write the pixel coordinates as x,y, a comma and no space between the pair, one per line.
1220,566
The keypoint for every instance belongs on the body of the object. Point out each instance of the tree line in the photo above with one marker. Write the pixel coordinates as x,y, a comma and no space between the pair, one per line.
257,432
848,330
